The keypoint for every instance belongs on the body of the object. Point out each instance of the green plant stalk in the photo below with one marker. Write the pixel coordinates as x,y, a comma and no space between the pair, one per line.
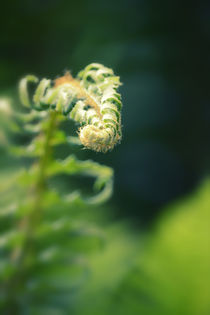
21,256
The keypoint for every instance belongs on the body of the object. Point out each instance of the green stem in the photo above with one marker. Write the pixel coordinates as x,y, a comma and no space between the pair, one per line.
21,255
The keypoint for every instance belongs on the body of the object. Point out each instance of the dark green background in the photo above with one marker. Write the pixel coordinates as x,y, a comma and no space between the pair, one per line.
160,50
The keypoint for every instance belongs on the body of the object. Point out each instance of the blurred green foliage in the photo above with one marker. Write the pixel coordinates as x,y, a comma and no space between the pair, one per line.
168,273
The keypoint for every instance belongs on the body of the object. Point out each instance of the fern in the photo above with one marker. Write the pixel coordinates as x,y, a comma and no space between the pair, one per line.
43,240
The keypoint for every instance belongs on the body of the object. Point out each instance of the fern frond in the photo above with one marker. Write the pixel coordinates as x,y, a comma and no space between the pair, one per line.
45,242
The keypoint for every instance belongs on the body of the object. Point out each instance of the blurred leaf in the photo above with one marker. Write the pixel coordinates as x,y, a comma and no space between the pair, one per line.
171,275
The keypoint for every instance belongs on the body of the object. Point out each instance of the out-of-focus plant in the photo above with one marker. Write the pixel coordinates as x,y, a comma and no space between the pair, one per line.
42,240
170,273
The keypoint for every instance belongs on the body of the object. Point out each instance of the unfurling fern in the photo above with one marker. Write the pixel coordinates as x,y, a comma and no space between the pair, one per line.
91,100
42,234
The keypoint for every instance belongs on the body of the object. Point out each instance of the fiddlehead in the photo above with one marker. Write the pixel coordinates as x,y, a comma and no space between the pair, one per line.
91,100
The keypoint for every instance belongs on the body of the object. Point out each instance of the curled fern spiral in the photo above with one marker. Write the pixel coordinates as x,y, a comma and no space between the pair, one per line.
92,100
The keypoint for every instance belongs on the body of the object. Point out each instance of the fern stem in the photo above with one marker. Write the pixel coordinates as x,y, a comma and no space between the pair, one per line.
21,255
